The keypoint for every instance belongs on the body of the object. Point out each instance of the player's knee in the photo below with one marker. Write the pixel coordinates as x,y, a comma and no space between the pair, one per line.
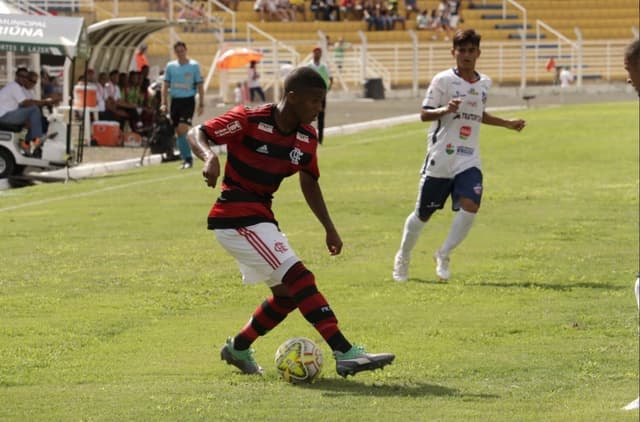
425,214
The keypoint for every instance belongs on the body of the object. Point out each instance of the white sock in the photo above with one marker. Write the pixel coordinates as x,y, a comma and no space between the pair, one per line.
412,228
637,291
459,229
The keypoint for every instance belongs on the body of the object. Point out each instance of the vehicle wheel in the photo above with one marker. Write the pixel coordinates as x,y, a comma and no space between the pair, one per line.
7,163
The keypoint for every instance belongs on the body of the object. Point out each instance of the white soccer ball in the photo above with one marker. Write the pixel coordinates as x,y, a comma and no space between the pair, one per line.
299,360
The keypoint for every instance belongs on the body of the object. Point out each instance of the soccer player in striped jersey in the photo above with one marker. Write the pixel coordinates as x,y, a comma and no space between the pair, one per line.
264,145
455,103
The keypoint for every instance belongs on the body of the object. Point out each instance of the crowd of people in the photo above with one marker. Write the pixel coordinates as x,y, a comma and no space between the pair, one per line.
379,15
124,97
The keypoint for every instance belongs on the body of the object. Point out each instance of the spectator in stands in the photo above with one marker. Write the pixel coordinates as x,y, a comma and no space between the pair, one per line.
338,52
298,6
347,9
317,8
332,10
392,5
358,10
141,57
424,20
396,18
385,17
268,10
371,15
566,77
442,22
253,82
285,10
16,108
455,13
319,66
410,6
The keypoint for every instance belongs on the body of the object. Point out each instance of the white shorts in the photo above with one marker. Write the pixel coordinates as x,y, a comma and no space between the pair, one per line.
262,251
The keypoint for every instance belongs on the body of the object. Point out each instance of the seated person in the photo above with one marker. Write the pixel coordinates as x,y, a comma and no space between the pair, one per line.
299,6
19,108
410,6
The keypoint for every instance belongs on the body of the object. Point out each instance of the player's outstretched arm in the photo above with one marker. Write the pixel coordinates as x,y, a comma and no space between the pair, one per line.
514,124
313,195
200,147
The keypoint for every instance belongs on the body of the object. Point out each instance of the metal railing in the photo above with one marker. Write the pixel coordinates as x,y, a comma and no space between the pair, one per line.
45,6
575,53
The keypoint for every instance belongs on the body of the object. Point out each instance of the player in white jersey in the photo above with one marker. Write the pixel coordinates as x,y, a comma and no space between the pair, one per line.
455,103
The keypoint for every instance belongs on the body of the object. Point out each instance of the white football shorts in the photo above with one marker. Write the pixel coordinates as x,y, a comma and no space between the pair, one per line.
262,251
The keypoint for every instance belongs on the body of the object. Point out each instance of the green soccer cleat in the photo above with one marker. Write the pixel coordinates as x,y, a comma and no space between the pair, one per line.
358,360
241,359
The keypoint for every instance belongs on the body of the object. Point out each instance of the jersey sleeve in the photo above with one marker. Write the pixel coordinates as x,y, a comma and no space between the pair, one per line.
435,94
227,128
312,167
198,78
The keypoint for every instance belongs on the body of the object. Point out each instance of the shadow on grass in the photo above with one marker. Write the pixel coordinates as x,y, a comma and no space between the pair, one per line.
338,387
549,286
527,285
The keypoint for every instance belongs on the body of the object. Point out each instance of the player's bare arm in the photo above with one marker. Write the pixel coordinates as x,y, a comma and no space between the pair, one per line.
313,195
514,124
200,147
431,114
164,97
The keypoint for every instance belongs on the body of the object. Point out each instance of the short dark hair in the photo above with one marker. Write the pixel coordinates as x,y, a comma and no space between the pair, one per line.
632,53
466,36
22,72
303,77
179,44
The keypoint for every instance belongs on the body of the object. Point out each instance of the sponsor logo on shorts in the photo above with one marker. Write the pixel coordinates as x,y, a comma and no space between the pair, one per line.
477,189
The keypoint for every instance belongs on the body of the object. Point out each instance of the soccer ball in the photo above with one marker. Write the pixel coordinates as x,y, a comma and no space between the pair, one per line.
299,360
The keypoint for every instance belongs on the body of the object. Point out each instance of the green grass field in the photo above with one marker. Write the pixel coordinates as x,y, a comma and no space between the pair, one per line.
115,299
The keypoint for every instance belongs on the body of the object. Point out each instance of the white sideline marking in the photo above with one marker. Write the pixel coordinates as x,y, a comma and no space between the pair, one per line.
88,193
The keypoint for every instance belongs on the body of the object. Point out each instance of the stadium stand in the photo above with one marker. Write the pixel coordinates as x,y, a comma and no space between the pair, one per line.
598,22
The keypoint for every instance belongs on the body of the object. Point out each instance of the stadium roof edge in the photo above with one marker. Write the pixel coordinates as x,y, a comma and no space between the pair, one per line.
114,41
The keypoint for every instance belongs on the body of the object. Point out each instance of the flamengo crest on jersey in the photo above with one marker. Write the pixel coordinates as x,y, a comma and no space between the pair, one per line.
453,140
259,157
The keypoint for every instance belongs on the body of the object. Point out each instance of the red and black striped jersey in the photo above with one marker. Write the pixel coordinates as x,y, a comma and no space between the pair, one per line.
259,157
